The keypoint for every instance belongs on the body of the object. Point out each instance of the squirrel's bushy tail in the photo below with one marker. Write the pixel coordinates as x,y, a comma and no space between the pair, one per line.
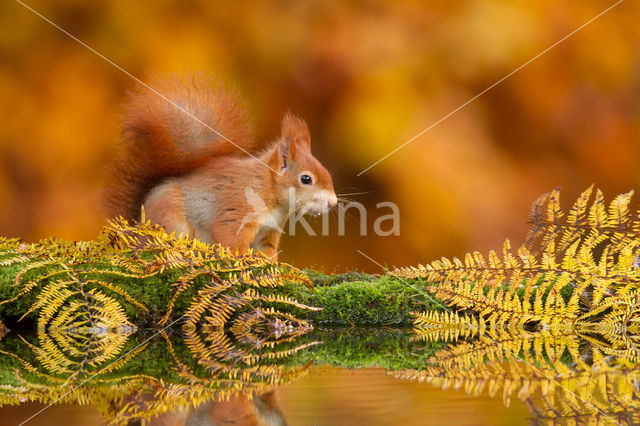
161,140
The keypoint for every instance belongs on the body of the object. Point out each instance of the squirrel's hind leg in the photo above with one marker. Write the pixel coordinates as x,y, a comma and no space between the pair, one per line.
165,206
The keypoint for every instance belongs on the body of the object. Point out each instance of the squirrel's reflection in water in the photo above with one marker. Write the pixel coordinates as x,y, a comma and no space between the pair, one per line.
260,410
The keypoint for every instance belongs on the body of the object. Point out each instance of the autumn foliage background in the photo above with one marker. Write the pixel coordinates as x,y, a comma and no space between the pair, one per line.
367,76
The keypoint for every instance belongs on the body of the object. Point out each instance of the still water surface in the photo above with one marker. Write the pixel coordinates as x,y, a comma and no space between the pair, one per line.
328,376
332,396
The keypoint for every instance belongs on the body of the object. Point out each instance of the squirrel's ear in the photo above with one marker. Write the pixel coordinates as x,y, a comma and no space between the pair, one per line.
296,130
279,160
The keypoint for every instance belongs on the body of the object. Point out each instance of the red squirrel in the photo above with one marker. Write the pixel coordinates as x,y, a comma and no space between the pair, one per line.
209,185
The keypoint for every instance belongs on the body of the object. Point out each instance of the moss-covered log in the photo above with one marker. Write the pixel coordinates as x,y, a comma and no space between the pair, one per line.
344,299
140,276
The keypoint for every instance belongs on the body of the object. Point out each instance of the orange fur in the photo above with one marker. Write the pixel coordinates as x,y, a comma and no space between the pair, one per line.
161,141
193,181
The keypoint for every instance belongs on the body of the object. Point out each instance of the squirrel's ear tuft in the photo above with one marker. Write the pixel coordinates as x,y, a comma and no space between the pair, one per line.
295,129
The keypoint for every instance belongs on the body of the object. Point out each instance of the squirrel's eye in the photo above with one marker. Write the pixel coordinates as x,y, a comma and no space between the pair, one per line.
306,179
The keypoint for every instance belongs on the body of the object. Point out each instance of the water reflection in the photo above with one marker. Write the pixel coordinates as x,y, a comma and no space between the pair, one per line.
132,376
561,377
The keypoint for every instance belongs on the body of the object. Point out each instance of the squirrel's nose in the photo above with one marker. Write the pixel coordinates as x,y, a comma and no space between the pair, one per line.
333,200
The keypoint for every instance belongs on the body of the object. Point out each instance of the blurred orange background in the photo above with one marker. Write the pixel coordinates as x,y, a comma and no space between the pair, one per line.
367,76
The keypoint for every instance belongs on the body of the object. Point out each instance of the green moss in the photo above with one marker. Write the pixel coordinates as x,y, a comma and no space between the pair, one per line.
368,300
